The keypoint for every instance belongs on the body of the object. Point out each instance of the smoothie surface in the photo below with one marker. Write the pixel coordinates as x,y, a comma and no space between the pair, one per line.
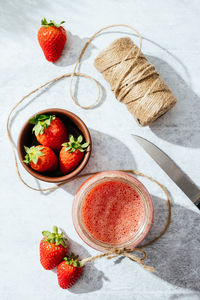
112,212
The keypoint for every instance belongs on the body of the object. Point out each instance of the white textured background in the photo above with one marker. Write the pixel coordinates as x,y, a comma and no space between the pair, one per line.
171,41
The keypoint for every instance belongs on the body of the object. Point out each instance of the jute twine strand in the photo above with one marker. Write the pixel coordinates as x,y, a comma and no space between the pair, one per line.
113,252
82,53
124,252
71,75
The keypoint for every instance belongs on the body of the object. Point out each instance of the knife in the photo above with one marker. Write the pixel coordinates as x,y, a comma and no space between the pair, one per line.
171,169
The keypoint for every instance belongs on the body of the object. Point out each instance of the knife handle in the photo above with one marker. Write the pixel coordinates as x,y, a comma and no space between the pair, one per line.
198,205
197,202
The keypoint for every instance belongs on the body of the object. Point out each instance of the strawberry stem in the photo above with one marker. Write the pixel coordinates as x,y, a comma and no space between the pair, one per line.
32,154
75,144
41,122
46,24
72,260
55,237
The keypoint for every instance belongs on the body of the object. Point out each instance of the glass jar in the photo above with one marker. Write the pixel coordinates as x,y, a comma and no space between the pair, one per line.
93,182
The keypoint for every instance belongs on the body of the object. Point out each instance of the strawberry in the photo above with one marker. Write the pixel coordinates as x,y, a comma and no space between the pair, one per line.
69,271
53,248
49,131
72,154
41,159
52,38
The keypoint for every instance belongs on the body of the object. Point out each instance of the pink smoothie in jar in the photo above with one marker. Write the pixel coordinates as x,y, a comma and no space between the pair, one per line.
112,209
112,212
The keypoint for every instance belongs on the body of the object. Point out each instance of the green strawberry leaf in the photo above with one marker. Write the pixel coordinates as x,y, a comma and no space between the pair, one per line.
72,260
35,160
46,233
62,243
26,149
67,148
52,235
55,237
42,117
41,122
46,24
75,144
80,139
55,229
26,160
85,145
33,120
32,154
71,138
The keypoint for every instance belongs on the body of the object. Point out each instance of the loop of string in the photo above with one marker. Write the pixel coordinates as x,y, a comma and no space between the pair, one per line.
113,252
124,252
81,55
71,75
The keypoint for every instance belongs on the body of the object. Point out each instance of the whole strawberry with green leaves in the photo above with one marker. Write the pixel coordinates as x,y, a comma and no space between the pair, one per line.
52,38
72,154
68,271
53,248
41,158
49,130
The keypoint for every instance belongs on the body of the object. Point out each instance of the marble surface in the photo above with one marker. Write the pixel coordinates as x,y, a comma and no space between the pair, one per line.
170,30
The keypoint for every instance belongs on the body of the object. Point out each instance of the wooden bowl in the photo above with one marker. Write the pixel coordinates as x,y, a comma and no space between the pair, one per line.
74,126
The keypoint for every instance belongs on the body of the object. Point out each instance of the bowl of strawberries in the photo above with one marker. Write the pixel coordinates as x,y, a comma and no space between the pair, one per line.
54,145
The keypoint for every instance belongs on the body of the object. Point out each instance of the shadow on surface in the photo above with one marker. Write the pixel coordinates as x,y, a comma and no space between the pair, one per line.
106,154
91,278
175,256
188,296
72,50
180,125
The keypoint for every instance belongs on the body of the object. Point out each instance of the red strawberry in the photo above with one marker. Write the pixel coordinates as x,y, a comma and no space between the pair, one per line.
52,38
41,159
49,131
53,248
72,154
69,271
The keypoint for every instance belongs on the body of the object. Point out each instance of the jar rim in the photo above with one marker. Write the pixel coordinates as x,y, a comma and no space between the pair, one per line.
86,187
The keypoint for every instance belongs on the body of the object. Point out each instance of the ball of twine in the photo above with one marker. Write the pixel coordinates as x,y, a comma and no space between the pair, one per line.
135,81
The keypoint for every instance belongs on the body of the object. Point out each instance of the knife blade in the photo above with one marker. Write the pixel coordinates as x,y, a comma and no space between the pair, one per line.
182,180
